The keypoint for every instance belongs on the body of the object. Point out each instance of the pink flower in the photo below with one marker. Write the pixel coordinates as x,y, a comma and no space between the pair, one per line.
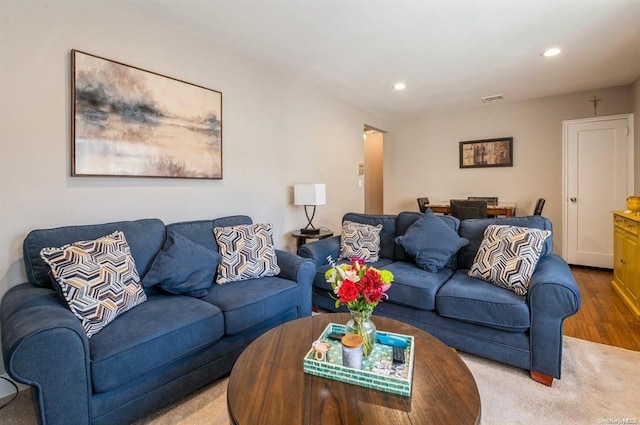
358,262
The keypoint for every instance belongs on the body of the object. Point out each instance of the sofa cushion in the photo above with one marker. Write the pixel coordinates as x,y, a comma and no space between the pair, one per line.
247,252
97,278
360,240
145,238
475,301
248,303
415,287
406,219
201,231
183,267
431,243
162,330
508,256
387,234
473,230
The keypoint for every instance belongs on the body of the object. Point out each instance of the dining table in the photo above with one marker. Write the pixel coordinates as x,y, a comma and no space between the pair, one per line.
507,209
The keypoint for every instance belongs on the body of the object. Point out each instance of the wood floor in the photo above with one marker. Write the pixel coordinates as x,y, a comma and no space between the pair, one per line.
603,317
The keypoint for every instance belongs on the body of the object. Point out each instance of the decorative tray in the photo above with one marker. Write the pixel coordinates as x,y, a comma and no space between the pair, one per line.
377,370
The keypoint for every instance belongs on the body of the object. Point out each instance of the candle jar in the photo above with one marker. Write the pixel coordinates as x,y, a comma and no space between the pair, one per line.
352,351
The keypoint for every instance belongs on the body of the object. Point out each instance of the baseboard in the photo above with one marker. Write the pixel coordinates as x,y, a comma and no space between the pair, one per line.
6,389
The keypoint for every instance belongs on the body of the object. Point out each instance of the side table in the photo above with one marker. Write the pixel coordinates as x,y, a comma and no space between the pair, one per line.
301,238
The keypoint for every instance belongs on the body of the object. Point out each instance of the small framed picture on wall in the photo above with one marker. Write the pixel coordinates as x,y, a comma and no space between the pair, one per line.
487,153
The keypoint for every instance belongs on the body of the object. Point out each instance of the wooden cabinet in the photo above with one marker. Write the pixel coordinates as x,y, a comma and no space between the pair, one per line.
626,259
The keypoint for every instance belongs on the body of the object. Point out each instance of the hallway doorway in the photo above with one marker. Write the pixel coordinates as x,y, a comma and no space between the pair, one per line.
373,170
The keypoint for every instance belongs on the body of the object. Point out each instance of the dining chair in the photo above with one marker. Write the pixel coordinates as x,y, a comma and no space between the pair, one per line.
464,208
422,202
539,205
491,200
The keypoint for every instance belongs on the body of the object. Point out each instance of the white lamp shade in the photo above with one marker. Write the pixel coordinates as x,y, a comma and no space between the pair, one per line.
309,194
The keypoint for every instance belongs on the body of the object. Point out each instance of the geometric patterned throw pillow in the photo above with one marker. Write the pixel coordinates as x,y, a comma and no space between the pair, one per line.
360,240
508,256
247,252
98,279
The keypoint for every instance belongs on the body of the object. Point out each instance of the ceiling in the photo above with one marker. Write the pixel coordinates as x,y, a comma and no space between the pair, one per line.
450,53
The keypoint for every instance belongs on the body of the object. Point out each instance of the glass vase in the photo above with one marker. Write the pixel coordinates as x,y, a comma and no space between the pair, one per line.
361,324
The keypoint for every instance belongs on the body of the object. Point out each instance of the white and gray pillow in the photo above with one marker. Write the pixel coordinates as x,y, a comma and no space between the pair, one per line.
247,252
508,256
360,240
97,278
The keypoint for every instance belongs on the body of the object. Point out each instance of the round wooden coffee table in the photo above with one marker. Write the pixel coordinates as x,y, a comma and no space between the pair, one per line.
268,386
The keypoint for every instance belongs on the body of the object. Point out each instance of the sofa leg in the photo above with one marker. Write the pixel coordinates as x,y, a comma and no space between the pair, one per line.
542,378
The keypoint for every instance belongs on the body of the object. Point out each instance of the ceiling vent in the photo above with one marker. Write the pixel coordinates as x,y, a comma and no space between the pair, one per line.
492,98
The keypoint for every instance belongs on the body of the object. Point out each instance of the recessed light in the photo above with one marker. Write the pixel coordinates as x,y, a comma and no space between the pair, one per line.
399,86
554,51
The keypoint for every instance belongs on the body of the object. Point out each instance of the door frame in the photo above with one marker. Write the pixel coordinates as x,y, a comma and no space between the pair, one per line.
364,175
565,174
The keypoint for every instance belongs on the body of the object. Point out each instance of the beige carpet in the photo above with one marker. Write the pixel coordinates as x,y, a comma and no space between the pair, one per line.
599,385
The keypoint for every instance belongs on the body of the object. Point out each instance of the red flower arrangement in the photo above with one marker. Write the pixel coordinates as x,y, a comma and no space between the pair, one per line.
358,286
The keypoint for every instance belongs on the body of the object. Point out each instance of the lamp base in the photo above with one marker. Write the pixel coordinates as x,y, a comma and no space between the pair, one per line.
308,231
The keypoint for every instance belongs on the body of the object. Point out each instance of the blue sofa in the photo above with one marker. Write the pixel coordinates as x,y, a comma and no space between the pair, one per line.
469,314
151,355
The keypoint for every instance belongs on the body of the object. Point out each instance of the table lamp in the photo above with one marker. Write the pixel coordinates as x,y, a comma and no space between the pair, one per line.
309,195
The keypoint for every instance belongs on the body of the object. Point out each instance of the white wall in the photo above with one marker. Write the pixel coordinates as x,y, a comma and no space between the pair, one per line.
276,131
421,153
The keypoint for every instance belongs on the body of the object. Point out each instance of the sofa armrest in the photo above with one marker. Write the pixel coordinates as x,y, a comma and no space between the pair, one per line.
44,345
553,296
299,270
319,250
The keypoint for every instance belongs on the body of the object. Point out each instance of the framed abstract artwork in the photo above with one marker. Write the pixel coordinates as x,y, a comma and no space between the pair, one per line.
487,153
130,122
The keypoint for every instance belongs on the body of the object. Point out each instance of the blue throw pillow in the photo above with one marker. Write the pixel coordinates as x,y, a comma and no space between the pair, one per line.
430,242
183,267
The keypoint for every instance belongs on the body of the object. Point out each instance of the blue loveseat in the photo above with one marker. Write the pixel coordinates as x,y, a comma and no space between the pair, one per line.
469,314
152,354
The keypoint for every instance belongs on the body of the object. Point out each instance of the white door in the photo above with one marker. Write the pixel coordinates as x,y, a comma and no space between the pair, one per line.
598,178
